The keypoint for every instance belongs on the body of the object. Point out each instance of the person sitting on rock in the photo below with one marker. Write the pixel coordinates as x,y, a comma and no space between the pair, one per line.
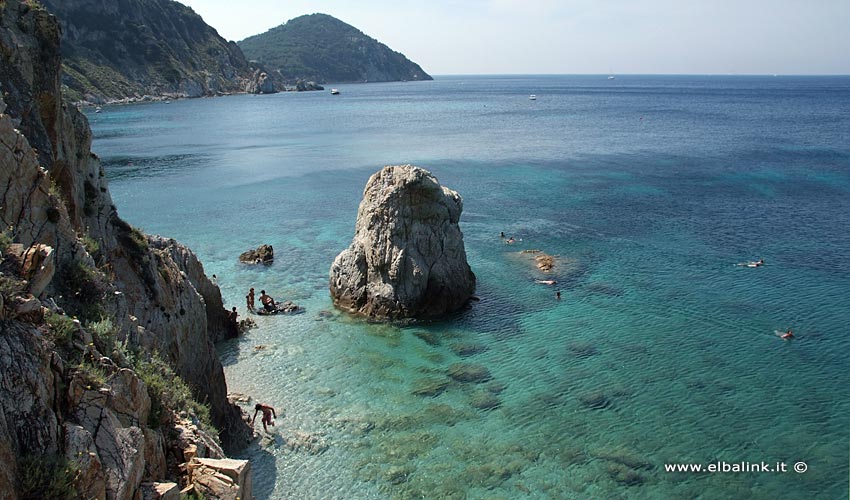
267,301
268,414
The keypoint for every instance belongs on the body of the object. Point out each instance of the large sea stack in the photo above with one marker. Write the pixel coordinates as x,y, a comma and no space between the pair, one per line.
407,259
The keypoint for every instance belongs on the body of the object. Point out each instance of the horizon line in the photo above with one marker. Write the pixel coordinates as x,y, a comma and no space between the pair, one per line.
638,74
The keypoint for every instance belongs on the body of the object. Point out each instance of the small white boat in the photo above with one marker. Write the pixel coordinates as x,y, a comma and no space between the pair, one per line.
610,77
533,97
97,109
334,92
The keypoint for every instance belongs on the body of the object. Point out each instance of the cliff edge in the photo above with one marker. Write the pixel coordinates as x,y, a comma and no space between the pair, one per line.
107,358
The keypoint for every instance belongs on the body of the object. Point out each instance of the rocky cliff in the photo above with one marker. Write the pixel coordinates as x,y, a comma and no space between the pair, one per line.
130,388
324,49
407,258
114,49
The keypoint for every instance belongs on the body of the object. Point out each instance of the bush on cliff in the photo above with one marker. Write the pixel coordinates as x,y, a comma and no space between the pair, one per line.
42,477
170,393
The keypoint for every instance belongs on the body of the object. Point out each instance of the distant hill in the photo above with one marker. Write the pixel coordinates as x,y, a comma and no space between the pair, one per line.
322,48
123,48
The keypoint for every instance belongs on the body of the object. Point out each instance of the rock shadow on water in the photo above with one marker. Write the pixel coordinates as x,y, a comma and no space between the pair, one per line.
263,471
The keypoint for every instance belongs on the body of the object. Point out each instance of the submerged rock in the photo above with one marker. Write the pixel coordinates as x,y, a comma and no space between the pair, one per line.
428,337
466,350
429,387
595,400
467,372
407,259
484,400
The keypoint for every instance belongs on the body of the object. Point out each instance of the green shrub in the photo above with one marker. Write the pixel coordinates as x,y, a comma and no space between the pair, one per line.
91,244
60,329
83,291
194,495
41,477
10,287
105,334
170,392
5,240
94,375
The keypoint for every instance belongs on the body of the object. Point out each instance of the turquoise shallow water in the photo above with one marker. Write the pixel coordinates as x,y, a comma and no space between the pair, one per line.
661,350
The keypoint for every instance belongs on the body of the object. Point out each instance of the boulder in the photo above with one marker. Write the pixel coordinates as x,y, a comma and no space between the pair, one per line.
223,479
39,266
306,86
407,259
80,449
264,254
160,491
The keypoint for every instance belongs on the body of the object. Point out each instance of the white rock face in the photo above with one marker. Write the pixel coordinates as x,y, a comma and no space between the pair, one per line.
407,259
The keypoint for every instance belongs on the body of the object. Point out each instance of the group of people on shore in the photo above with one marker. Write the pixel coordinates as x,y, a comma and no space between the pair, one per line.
266,300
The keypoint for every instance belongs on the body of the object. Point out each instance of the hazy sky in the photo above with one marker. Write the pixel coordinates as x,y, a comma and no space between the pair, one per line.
578,36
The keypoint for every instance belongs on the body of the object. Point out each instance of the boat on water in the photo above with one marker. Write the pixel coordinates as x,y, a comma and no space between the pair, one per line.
611,77
97,109
533,97
334,92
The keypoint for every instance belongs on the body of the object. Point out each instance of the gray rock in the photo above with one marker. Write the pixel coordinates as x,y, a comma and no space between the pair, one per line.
264,254
407,259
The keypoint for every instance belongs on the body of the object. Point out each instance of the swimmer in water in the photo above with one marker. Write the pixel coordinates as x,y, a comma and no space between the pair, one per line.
787,335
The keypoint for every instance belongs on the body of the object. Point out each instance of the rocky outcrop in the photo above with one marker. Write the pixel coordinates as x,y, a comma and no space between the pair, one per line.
305,86
133,48
264,254
71,252
543,261
222,479
407,258
260,83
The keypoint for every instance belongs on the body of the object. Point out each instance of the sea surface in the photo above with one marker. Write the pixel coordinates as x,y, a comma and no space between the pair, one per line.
648,189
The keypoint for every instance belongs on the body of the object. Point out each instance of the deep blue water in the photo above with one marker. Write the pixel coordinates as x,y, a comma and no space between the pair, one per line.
648,189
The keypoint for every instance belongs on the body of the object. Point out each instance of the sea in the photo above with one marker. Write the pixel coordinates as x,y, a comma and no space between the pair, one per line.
658,374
